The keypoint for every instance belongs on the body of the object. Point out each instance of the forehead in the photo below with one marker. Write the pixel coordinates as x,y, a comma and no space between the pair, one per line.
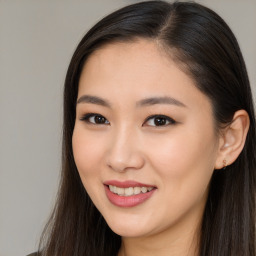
139,69
141,52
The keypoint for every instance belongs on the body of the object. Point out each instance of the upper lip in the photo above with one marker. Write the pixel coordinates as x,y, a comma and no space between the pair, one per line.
127,184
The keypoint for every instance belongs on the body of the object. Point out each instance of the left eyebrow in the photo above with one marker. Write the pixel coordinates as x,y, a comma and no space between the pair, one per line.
93,100
160,100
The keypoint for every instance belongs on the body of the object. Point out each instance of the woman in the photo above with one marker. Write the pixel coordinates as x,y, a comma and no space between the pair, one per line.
159,139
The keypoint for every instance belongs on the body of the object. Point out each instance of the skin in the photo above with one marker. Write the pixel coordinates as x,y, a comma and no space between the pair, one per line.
177,158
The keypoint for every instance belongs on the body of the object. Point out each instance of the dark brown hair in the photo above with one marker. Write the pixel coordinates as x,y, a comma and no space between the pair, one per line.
204,46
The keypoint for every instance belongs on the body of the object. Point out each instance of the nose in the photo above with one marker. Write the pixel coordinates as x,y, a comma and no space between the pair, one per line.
124,151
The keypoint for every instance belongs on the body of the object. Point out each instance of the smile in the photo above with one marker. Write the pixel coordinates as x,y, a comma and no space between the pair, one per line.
129,191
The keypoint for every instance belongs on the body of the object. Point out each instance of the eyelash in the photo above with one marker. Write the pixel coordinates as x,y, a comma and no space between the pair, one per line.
162,118
87,117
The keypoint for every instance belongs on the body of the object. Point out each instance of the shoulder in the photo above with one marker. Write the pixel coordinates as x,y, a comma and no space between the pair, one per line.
33,254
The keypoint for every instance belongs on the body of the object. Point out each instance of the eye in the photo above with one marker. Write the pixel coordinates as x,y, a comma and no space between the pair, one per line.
94,119
159,120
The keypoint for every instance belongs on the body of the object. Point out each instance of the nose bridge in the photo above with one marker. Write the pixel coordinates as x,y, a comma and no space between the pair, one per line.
124,150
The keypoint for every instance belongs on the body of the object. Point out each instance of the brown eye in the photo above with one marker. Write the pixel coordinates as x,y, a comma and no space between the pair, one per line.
95,119
99,119
159,120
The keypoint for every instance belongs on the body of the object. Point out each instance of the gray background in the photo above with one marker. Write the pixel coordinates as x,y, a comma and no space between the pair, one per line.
37,39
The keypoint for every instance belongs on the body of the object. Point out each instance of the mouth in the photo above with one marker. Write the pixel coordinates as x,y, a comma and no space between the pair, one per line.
128,193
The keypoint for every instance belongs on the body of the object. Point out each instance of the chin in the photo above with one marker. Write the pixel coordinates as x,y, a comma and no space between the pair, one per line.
130,228
127,231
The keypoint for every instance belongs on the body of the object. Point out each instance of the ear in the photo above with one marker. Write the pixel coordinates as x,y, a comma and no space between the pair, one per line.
232,139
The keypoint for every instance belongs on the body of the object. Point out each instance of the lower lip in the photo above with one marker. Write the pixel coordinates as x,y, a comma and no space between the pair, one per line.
127,201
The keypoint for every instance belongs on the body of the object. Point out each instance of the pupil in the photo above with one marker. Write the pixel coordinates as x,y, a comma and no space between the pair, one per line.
99,120
160,121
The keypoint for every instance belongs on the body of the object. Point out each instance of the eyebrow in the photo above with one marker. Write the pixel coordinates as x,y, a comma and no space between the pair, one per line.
144,102
160,100
93,100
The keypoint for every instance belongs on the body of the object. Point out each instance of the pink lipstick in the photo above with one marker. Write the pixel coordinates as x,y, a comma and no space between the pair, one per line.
128,193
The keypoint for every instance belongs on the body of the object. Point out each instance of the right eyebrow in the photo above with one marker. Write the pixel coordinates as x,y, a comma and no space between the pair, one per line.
160,100
93,100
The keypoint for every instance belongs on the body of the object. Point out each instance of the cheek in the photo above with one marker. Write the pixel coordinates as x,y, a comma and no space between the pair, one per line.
184,157
87,152
185,167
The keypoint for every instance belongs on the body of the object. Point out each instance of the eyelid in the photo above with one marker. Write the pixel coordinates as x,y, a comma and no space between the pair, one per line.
85,118
169,119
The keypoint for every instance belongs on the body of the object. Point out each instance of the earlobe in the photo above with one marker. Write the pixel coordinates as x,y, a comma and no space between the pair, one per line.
232,139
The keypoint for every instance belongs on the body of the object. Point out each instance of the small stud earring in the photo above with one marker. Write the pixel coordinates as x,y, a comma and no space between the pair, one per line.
225,164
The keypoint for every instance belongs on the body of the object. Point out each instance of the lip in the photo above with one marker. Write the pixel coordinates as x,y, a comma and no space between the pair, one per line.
127,201
126,184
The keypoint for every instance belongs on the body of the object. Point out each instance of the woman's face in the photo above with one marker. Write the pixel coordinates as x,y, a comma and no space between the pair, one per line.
144,141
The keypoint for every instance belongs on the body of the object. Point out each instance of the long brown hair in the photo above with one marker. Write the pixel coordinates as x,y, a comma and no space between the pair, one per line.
204,46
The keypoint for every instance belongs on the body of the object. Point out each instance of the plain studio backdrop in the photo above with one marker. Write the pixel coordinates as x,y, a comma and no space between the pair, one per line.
37,39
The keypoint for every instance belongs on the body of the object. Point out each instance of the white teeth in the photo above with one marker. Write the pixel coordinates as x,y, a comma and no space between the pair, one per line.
136,190
120,191
144,190
129,191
